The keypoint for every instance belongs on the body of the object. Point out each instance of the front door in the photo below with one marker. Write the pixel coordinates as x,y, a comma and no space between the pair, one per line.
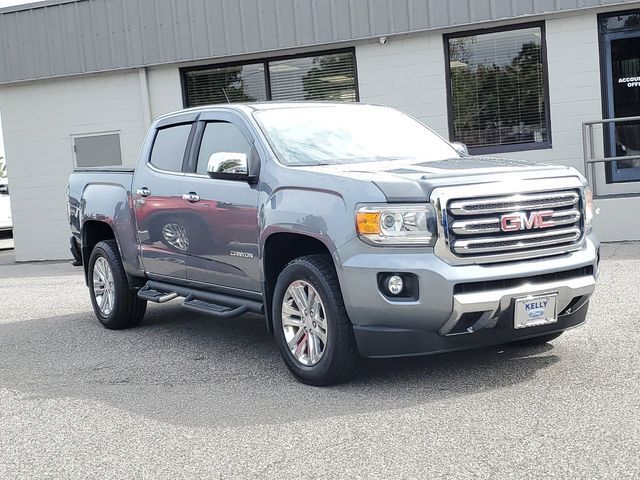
621,42
224,212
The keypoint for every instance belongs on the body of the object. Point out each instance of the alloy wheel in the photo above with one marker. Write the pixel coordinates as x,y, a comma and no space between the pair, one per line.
304,322
103,288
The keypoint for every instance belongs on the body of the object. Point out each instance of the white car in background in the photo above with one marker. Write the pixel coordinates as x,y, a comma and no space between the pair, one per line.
6,224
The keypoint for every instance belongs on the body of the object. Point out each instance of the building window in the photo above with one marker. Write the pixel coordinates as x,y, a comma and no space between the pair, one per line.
328,76
101,150
239,83
497,86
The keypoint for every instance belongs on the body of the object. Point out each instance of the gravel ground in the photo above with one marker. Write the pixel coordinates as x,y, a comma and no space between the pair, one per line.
185,396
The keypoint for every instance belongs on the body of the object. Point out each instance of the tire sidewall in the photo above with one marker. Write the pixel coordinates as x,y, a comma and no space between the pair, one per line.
306,272
100,252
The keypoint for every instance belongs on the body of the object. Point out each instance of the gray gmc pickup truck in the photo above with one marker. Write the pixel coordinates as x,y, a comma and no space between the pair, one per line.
356,230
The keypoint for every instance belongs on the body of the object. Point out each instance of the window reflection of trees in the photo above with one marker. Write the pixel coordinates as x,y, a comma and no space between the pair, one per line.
499,102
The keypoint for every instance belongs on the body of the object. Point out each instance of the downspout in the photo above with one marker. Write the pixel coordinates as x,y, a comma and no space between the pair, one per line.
144,93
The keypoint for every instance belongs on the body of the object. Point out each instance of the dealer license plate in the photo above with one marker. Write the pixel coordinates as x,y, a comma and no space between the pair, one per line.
535,311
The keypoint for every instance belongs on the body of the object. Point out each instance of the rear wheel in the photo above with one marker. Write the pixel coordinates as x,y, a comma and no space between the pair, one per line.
115,304
312,329
533,341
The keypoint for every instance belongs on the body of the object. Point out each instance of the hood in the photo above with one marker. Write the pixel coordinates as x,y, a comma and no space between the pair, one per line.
413,180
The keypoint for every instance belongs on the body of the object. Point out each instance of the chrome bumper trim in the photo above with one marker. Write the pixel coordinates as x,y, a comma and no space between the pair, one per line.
495,302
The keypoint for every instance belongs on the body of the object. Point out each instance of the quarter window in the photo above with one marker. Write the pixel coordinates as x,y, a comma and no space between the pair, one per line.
498,90
169,147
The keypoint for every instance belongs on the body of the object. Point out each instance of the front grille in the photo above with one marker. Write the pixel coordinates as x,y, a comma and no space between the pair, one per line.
514,224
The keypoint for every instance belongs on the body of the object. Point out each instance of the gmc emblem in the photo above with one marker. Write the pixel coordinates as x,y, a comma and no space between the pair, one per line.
512,222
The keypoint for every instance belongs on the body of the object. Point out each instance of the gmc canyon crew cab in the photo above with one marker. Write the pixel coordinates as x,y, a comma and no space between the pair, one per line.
355,229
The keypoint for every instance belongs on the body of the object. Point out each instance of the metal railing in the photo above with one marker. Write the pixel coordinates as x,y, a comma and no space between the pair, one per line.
589,151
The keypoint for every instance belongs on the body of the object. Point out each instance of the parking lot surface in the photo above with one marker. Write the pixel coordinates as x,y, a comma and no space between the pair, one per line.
187,396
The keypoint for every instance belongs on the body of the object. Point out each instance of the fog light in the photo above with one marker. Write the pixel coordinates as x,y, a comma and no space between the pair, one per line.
395,284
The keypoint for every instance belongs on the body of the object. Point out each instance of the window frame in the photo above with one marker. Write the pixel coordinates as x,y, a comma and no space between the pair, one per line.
265,61
515,147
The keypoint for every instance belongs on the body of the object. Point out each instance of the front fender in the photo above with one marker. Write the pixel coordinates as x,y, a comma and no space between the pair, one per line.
287,210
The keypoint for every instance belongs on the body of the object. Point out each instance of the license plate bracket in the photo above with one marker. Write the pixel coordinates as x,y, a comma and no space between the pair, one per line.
535,310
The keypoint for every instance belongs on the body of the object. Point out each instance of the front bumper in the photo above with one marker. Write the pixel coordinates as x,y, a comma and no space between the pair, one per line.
458,306
381,342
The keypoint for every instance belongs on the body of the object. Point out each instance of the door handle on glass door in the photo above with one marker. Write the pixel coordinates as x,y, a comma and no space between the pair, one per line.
191,197
143,192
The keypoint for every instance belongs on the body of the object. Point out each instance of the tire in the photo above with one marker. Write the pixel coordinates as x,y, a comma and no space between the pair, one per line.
124,309
541,340
339,360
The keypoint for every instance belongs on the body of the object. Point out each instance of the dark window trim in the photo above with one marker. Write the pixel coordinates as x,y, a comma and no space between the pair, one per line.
604,89
265,63
516,147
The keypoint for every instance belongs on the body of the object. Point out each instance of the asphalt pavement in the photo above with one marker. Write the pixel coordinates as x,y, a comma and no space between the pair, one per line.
187,396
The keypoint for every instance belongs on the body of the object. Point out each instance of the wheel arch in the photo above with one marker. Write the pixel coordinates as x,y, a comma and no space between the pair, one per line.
94,232
278,250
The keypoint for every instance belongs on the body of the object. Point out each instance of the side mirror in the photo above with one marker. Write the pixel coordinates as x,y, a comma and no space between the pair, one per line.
228,163
461,148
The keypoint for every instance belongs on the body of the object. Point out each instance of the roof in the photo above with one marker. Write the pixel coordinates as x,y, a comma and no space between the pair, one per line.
260,106
68,37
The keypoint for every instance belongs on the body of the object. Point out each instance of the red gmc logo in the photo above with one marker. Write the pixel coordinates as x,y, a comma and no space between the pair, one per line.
512,222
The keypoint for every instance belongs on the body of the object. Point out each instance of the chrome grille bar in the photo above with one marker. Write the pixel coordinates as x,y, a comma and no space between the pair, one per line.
492,225
516,242
511,203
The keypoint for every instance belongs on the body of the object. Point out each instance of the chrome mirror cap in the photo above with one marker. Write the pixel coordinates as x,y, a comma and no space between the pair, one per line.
228,163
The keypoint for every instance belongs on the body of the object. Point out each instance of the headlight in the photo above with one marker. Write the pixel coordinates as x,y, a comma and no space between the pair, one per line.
588,209
397,224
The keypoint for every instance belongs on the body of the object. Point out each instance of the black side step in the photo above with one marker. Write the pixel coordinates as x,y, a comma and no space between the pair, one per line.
216,304
156,296
213,309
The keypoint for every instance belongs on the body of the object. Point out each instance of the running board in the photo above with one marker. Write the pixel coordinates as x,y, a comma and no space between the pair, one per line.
152,295
213,309
215,304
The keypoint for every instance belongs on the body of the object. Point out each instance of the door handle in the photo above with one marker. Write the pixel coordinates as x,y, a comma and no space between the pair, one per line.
191,197
143,192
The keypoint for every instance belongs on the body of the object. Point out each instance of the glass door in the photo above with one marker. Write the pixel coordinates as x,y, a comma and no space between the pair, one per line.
621,42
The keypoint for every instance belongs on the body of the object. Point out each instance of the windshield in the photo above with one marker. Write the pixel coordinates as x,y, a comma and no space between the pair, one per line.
338,134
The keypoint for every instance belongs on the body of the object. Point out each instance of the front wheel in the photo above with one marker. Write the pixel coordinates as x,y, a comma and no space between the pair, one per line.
312,329
115,304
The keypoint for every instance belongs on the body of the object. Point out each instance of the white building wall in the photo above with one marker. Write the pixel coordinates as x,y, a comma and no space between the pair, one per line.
165,90
410,74
39,120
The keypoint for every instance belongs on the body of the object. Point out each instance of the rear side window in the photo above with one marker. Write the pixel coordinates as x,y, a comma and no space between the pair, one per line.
169,147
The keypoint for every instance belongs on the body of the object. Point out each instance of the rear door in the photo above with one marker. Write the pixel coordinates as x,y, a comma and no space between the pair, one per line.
158,203
224,210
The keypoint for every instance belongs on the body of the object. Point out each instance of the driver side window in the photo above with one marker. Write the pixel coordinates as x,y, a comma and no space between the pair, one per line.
220,137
